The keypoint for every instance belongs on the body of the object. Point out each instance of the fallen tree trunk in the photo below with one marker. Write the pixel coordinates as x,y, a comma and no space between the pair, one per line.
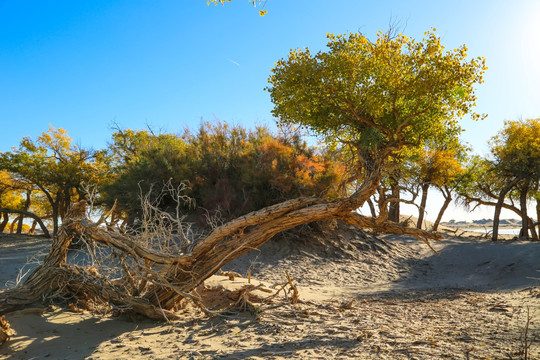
153,282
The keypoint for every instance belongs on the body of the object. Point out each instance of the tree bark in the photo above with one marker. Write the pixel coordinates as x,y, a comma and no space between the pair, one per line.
371,208
524,233
538,214
499,205
447,193
13,223
5,220
29,214
25,208
4,330
394,206
422,210
160,280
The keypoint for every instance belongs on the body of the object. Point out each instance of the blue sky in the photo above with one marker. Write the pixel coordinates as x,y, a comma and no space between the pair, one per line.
85,66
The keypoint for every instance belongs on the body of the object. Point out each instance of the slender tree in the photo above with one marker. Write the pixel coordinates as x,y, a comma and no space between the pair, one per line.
516,158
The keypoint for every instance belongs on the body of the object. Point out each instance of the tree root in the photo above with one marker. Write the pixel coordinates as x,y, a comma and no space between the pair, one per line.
151,282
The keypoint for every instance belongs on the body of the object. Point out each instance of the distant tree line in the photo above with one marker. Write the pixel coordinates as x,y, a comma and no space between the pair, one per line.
387,112
228,171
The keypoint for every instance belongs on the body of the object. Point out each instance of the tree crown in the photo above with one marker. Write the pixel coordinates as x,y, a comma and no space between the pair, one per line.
378,96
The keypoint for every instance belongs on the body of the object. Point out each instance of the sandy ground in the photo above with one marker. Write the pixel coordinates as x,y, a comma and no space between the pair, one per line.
360,298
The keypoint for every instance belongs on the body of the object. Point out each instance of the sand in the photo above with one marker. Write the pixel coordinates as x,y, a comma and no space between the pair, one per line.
360,298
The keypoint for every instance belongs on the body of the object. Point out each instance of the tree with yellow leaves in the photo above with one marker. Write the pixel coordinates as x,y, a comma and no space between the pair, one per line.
254,2
438,166
56,167
376,99
516,159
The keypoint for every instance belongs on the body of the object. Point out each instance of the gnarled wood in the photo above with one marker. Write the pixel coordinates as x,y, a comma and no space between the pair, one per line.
157,281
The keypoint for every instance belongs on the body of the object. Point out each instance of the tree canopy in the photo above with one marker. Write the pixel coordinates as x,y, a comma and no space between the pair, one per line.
377,97
56,167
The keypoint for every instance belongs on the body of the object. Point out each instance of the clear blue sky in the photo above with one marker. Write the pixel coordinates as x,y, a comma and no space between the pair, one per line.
85,65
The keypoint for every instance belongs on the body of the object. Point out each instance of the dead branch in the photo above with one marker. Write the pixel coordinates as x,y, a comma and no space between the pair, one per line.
147,278
5,330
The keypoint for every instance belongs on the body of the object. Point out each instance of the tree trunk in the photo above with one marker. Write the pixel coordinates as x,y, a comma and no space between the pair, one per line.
13,223
32,228
394,206
538,214
54,206
447,193
29,214
422,210
371,208
20,223
5,220
25,208
524,233
55,214
534,234
498,207
157,281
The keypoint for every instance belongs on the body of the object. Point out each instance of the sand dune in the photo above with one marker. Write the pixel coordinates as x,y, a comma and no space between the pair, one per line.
360,297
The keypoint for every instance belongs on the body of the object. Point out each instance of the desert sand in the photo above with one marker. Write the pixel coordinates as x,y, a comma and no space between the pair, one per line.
360,297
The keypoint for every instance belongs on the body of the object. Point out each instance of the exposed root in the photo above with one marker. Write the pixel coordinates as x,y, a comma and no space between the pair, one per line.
150,274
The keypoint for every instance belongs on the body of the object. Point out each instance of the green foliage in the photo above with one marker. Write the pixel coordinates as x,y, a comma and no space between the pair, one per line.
516,149
377,97
228,169
440,165
56,167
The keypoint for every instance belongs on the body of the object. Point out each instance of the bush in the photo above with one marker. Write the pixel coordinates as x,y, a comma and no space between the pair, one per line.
228,169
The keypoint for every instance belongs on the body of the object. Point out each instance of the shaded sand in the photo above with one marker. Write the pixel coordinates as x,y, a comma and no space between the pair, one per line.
360,298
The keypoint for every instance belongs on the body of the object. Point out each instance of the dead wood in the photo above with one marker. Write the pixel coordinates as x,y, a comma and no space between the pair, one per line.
5,330
152,282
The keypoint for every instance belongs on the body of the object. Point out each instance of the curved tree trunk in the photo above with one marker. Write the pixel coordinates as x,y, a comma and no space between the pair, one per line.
447,193
371,207
5,220
32,228
161,280
28,214
422,210
13,223
499,205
